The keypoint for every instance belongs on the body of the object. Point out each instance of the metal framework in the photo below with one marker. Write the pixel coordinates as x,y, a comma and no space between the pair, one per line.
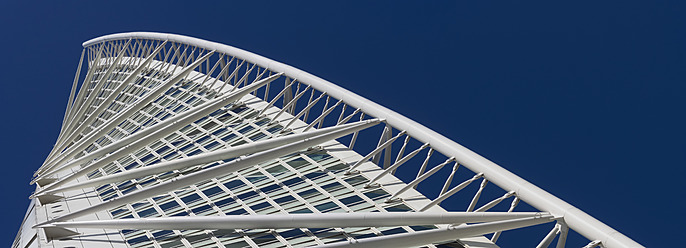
173,141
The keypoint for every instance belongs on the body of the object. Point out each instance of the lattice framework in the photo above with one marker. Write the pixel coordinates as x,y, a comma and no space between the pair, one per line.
194,134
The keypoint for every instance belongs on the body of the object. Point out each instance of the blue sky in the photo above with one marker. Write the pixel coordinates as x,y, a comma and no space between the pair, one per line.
584,99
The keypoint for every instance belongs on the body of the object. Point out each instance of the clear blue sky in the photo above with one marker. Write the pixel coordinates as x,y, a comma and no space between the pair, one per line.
584,99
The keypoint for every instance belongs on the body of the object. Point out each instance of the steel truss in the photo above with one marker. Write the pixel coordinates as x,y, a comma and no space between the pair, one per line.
205,142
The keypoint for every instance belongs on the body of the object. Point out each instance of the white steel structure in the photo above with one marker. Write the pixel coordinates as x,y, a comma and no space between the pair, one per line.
173,141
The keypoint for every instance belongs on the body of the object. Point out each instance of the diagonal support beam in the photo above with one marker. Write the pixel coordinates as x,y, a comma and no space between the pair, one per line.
72,111
419,179
140,139
74,87
291,104
564,230
549,238
449,180
281,93
121,116
375,151
451,192
92,67
106,103
425,163
492,203
322,116
476,197
514,203
396,165
305,110
385,135
287,221
219,170
178,164
94,93
423,238
593,244
350,116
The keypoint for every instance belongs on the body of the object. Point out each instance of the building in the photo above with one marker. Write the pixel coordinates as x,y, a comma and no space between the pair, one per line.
173,141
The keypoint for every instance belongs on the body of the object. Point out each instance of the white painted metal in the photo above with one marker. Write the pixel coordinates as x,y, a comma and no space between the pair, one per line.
424,164
271,103
141,138
549,238
448,181
150,96
593,243
133,76
476,197
91,97
451,192
492,203
375,151
441,235
576,219
72,93
397,164
324,114
213,172
77,103
420,179
514,204
58,167
306,110
562,240
287,221
199,159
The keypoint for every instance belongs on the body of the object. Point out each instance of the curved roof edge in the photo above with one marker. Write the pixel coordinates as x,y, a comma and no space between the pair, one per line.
576,219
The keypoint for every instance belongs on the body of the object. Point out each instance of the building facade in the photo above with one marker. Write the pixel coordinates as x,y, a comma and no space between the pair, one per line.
173,141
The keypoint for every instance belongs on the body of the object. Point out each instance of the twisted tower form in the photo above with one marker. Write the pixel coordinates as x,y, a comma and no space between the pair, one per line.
173,141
